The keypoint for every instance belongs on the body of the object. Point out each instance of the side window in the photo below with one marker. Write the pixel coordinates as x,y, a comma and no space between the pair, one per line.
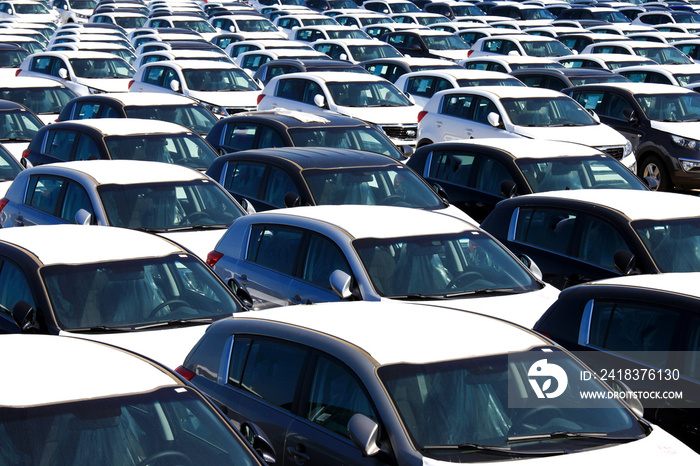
482,107
440,85
86,149
632,326
323,257
75,199
615,107
336,395
490,175
41,65
13,288
109,112
599,242
421,86
310,91
275,247
169,75
453,168
240,136
457,105
153,75
272,372
269,138
591,101
278,185
44,193
60,144
546,228
292,89
244,179
86,110
691,363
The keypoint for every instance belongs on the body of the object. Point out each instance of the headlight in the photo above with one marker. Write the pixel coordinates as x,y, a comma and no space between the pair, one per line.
215,109
686,143
82,16
627,150
92,90
689,165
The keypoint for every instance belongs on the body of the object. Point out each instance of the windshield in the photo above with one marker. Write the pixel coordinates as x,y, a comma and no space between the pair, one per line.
13,58
685,79
664,55
172,423
367,21
369,52
537,13
442,266
450,42
319,22
390,185
162,207
369,139
561,173
547,111
545,48
406,7
228,79
612,78
255,25
101,68
670,107
467,10
130,22
491,401
83,4
18,125
489,82
367,94
195,25
347,34
610,16
673,244
39,100
30,9
133,293
185,149
195,117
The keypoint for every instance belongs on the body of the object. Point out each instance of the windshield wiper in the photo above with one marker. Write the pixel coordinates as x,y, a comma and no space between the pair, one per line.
17,139
493,449
100,328
417,297
565,434
483,291
176,323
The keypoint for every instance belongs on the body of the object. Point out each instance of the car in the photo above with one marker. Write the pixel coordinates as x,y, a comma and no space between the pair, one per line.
618,232
605,61
11,56
197,24
159,45
677,75
322,176
390,6
44,97
91,38
420,18
314,33
236,48
422,85
18,125
180,54
476,174
28,11
661,17
9,169
392,68
288,128
659,120
362,19
126,418
178,109
632,324
115,49
577,41
622,29
662,54
377,30
127,20
273,68
368,97
202,80
324,253
516,112
437,388
667,37
287,23
83,72
428,44
24,42
124,287
594,15
531,46
253,59
508,63
356,50
118,138
561,78
74,11
176,202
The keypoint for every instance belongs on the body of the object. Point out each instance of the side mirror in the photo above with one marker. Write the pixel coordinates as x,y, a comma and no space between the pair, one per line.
415,48
631,400
530,264
441,193
343,57
629,115
241,293
259,441
624,262
63,73
232,28
292,200
410,98
83,217
364,433
405,150
175,85
494,120
652,183
513,53
247,206
320,101
509,188
24,316
341,282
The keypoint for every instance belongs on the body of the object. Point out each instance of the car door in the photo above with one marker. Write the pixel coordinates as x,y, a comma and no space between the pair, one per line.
52,200
610,106
297,94
465,116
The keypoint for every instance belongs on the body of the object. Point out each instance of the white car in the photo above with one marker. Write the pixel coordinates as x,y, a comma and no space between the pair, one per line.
82,72
28,11
287,23
356,50
422,85
254,59
179,54
195,23
124,19
248,24
508,63
236,48
677,75
510,111
662,54
314,33
222,87
366,97
74,11
532,46
606,61
45,97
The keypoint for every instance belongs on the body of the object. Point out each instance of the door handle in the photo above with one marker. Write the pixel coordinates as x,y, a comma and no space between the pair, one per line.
299,456
438,123
242,280
296,299
19,221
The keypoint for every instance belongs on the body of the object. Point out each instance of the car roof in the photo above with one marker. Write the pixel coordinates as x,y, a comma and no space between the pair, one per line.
69,54
412,61
634,204
294,118
319,157
638,88
362,221
334,76
128,126
29,81
684,283
138,98
124,172
505,92
524,148
84,244
78,369
195,64
419,333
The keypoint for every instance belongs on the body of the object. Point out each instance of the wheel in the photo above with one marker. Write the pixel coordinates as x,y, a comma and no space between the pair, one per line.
463,277
152,459
169,302
654,168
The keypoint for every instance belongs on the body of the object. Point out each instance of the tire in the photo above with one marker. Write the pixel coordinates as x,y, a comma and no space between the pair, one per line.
655,168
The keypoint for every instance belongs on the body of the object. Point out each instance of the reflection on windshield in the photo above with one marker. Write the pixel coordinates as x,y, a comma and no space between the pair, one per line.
194,117
19,125
673,244
664,55
136,292
671,107
101,68
39,100
545,48
450,42
547,111
368,139
369,52
219,80
367,94
188,150
441,265
490,401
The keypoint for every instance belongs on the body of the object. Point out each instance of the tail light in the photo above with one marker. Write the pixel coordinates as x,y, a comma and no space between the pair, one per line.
213,257
469,52
186,373
260,98
18,72
421,114
130,84
3,203
25,153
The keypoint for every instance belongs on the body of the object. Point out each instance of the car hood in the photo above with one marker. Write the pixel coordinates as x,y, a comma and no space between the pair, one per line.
686,129
227,99
384,115
593,135
107,84
15,148
200,243
168,346
453,55
47,118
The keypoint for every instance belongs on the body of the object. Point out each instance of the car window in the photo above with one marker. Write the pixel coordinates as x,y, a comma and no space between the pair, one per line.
323,257
691,366
168,76
482,107
86,110
270,138
599,243
278,185
457,105
275,247
292,89
423,86
59,143
240,136
153,75
452,167
490,175
44,192
86,149
244,178
311,90
550,229
13,288
76,198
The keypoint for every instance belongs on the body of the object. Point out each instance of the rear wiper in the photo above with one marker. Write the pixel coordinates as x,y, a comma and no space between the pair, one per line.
492,449
564,434
175,323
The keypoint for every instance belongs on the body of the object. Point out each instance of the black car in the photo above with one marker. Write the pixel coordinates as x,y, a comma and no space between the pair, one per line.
643,331
479,173
661,121
292,176
592,16
580,40
561,78
273,68
579,235
426,43
392,68
286,128
12,55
